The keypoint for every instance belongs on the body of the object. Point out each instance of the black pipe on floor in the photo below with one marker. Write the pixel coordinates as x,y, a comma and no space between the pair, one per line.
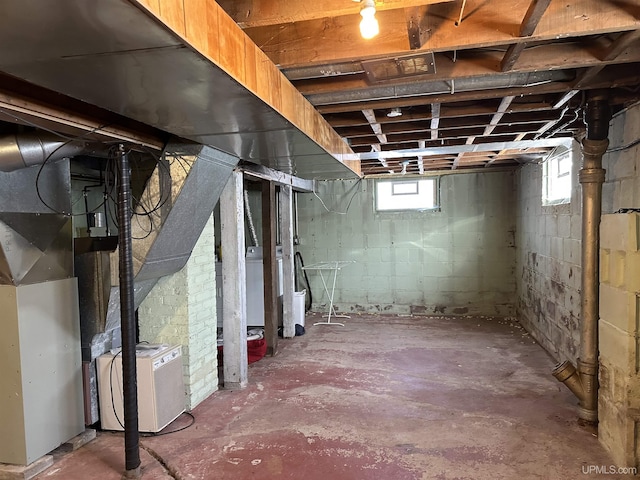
127,318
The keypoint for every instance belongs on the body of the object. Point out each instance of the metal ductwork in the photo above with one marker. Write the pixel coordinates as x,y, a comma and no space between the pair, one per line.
35,239
185,186
34,148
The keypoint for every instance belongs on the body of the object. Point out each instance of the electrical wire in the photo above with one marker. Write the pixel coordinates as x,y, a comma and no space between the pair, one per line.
115,413
624,147
348,204
160,433
48,157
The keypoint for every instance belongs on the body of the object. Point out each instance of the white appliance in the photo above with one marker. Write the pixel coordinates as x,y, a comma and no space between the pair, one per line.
161,395
40,369
255,286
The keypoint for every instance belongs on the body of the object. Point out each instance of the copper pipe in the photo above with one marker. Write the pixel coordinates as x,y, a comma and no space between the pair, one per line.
584,382
591,178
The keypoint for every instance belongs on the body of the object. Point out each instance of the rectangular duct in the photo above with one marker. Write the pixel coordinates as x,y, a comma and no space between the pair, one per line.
36,243
173,210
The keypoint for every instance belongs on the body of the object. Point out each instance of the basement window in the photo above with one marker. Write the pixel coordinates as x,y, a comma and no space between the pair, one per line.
398,195
556,185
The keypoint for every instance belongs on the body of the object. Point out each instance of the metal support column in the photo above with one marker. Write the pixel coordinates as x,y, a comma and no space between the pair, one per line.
128,322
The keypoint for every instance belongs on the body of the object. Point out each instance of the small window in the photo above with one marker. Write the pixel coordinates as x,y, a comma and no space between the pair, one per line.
407,194
556,185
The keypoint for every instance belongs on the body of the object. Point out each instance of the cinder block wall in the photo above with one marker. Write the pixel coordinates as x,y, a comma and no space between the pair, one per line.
459,260
619,396
548,263
181,309
619,326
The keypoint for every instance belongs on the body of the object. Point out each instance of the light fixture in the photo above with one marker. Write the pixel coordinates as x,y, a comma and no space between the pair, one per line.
369,27
394,112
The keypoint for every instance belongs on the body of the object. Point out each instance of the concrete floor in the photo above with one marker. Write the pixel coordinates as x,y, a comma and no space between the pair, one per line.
382,398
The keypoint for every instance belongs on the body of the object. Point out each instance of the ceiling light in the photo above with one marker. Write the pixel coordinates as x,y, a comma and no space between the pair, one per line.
394,112
369,27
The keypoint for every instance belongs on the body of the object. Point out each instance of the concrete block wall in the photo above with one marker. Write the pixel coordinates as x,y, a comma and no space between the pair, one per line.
548,263
458,260
181,309
619,326
622,184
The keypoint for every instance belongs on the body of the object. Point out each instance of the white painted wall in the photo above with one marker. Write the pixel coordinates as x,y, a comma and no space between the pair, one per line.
181,309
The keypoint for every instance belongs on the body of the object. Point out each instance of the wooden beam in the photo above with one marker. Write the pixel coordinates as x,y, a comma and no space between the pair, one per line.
15,107
421,144
532,17
375,126
616,48
620,44
416,26
565,98
234,301
435,120
288,279
337,39
518,138
616,79
457,97
255,13
270,270
452,111
511,57
455,149
276,176
502,108
483,66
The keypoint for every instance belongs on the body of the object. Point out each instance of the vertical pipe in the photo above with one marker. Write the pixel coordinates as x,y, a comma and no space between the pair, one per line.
270,272
127,310
592,177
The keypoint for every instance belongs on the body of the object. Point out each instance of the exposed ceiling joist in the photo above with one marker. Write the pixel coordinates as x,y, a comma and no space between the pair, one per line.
502,73
328,39
258,13
527,27
504,105
435,120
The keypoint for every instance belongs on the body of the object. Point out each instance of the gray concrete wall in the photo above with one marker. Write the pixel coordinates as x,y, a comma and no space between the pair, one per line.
459,260
619,325
548,263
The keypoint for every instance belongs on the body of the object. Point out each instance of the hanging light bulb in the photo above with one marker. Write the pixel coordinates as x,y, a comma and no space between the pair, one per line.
369,27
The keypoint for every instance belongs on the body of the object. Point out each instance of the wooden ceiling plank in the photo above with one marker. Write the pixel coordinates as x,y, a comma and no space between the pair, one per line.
256,13
489,24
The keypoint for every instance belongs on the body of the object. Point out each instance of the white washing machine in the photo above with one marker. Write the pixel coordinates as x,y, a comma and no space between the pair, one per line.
255,286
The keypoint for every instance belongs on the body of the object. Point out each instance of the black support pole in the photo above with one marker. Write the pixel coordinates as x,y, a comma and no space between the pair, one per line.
127,318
